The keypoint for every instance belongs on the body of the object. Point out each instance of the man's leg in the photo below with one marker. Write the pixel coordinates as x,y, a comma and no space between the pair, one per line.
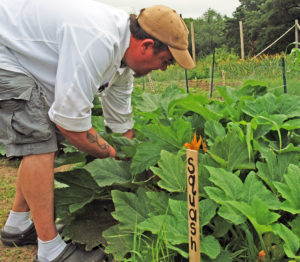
20,204
36,185
19,220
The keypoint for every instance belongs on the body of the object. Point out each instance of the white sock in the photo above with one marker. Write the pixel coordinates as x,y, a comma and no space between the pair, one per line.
17,222
49,250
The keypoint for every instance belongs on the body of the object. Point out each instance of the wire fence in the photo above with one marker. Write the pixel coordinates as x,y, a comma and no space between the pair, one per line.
281,72
232,72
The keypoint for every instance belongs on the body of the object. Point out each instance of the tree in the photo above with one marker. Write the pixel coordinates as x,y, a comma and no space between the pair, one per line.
263,22
208,31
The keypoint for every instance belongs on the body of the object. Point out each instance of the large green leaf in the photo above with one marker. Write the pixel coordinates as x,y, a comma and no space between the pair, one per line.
68,158
125,147
119,241
291,124
291,241
229,94
130,208
109,171
171,171
295,226
260,127
87,226
224,256
78,177
205,160
231,152
171,94
214,130
221,226
172,230
230,183
207,210
290,190
98,123
231,214
253,187
179,209
226,211
234,99
194,103
170,138
82,189
181,251
173,227
210,247
253,88
287,105
148,102
235,189
258,214
147,155
275,166
70,199
263,104
159,201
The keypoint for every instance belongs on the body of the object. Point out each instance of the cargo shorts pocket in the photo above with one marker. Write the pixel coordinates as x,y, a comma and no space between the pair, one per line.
12,99
24,117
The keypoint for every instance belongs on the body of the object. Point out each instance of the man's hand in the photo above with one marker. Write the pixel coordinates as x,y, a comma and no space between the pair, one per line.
89,142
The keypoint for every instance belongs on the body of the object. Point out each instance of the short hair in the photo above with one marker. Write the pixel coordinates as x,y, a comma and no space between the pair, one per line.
139,33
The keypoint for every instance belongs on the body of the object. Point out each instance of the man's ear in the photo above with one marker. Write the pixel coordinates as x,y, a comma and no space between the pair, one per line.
146,45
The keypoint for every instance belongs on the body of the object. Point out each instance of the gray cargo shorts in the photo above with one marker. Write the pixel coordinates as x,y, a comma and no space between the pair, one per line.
25,127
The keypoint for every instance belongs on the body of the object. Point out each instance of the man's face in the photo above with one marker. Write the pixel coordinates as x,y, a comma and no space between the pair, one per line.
152,62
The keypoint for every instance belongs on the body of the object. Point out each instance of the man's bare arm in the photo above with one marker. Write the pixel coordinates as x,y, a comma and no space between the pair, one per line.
89,142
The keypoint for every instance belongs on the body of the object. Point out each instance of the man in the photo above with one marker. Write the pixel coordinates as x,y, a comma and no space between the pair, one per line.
55,56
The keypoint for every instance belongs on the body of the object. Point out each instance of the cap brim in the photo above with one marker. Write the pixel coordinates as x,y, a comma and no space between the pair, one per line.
182,57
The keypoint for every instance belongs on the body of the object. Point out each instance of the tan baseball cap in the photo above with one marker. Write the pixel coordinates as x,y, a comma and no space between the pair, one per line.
166,25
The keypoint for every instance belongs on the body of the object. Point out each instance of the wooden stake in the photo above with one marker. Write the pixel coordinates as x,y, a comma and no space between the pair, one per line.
151,83
193,41
242,40
193,205
296,33
223,78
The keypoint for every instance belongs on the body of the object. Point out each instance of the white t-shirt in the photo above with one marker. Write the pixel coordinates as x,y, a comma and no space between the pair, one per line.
70,48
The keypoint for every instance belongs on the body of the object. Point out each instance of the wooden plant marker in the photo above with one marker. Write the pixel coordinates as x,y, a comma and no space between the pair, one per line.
193,199
151,83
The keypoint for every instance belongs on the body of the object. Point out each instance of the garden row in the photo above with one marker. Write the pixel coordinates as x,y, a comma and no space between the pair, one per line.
249,179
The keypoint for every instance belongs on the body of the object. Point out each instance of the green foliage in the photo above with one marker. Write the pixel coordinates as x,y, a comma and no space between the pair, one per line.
2,150
261,25
289,190
208,32
248,180
171,171
160,137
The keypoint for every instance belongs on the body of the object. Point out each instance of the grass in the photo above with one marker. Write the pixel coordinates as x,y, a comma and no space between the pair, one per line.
8,171
8,176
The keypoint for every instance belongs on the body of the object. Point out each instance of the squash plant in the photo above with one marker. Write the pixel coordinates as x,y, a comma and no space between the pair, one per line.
249,180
